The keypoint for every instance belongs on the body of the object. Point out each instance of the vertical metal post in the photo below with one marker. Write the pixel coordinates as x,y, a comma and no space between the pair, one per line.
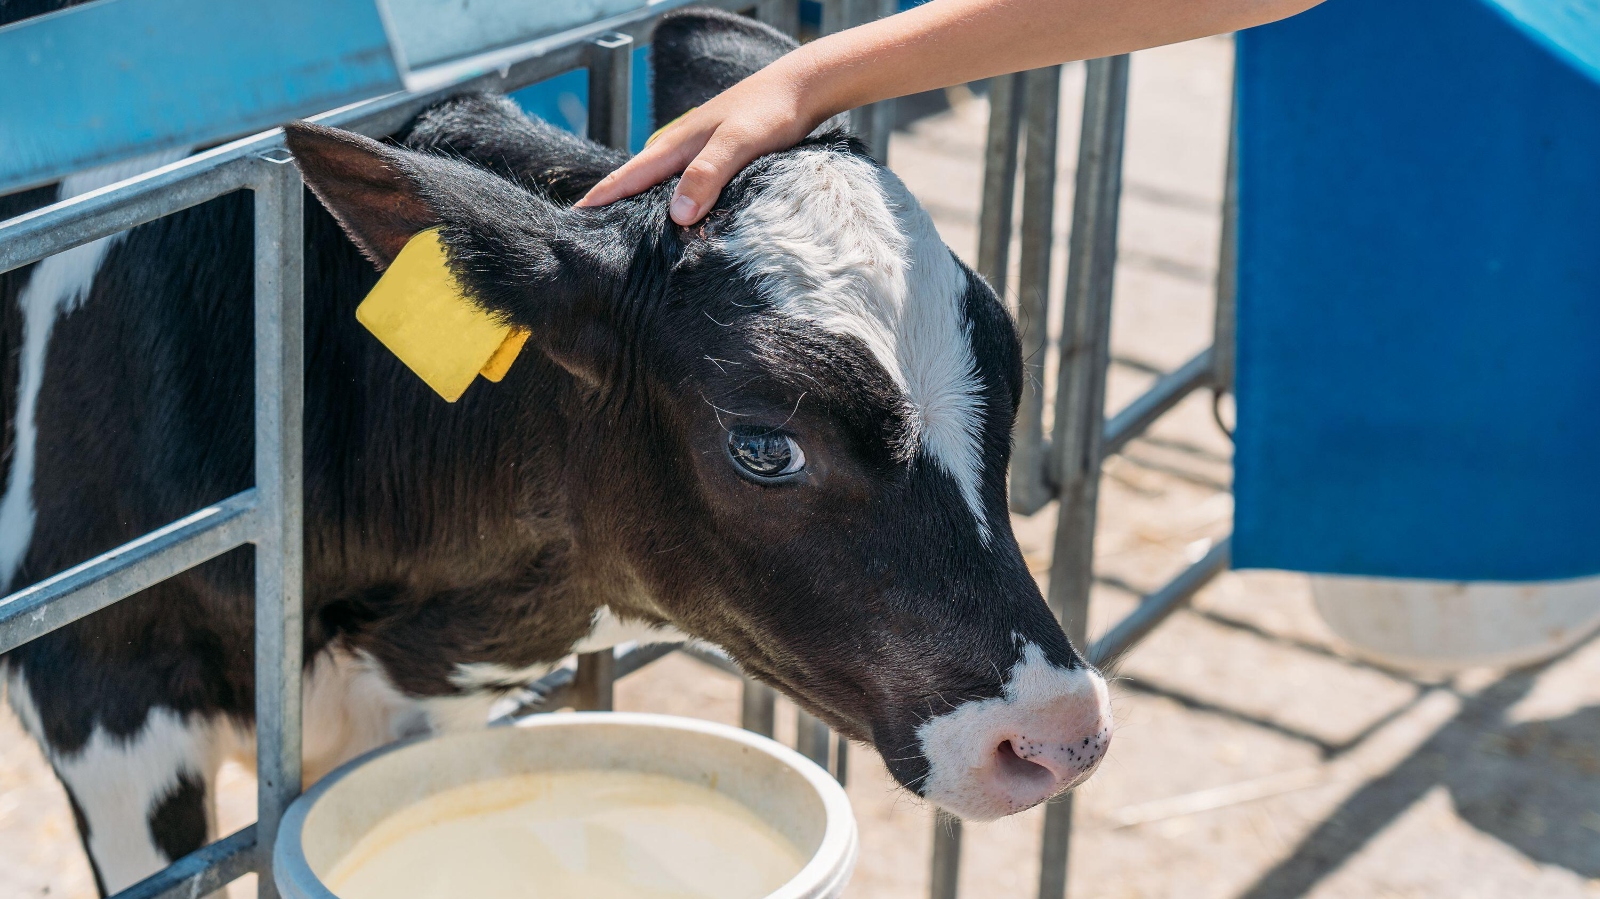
783,15
592,686
1031,486
874,122
841,760
994,250
758,708
610,64
1081,388
811,737
279,370
1000,153
946,872
1224,334
835,15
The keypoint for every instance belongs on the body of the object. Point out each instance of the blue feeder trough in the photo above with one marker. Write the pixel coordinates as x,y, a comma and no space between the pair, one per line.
1419,319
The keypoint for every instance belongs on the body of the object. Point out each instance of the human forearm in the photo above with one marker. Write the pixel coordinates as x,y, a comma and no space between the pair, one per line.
946,42
938,44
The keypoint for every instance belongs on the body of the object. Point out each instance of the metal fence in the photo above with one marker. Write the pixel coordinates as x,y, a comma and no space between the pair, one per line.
1066,465
1023,113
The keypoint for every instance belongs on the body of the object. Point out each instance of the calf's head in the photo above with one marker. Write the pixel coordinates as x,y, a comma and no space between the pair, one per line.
792,440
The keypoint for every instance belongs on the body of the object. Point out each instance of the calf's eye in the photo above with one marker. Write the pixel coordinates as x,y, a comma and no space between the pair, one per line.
763,454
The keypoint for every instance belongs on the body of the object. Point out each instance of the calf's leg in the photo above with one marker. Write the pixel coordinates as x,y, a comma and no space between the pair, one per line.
140,800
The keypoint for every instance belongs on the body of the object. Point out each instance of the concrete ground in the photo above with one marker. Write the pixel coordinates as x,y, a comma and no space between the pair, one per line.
1253,758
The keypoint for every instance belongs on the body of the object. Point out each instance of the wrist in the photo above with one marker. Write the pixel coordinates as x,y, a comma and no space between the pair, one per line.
816,82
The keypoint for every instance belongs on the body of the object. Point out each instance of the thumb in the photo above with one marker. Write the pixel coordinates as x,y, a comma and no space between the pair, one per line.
704,178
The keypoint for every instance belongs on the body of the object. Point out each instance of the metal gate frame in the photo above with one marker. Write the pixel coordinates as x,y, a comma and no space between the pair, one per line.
1067,465
268,515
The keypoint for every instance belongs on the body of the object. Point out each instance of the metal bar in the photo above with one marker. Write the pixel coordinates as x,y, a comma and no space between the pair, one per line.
1081,389
1224,334
639,656
498,71
258,162
201,872
115,208
87,588
1154,609
944,880
609,58
811,737
1056,840
1085,341
1000,150
594,684
873,123
758,708
1030,476
884,112
242,67
716,658
1165,393
783,15
556,689
279,383
841,759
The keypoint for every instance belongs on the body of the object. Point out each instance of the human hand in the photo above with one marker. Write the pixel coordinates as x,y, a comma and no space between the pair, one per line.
767,111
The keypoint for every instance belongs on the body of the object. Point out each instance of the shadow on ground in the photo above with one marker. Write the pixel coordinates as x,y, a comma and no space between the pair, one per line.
1534,786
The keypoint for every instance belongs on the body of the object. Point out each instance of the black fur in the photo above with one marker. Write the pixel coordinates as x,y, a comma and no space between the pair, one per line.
178,820
699,53
492,529
82,823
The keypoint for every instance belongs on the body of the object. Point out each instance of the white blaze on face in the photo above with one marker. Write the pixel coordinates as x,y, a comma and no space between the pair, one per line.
840,243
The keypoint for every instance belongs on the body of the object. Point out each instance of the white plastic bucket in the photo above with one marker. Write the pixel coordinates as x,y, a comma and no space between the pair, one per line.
1444,626
787,791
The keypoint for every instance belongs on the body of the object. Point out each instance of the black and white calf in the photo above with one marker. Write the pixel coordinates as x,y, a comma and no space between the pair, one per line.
784,431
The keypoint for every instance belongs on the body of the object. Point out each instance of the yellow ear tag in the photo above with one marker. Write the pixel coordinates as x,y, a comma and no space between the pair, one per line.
419,311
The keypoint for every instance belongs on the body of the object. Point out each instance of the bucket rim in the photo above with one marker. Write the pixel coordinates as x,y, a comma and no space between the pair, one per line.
823,875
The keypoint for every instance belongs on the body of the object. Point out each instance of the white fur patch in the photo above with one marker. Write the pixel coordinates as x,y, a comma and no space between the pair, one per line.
840,243
350,707
117,782
1052,716
609,631
494,676
56,286
606,632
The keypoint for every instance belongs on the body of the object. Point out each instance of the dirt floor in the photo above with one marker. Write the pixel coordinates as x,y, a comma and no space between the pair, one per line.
1253,758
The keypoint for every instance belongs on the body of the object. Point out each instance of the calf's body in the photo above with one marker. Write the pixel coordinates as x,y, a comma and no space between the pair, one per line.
783,431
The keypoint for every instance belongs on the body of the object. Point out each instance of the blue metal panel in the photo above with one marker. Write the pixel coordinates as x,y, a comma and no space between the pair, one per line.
1569,27
564,100
430,32
1419,293
117,78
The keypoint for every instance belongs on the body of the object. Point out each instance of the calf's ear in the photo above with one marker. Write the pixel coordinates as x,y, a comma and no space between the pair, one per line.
365,185
551,270
697,53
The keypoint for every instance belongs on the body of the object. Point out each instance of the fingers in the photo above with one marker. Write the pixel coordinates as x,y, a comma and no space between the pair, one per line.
654,164
710,145
711,164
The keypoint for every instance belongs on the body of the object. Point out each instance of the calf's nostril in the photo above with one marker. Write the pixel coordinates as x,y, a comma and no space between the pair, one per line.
1015,767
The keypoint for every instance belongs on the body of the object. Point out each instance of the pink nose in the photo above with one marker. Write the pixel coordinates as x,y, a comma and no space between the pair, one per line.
1054,752
994,757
